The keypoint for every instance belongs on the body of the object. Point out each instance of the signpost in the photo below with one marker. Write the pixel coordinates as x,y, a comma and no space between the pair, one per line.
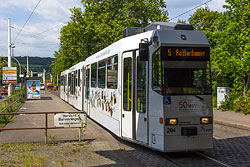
68,119
9,75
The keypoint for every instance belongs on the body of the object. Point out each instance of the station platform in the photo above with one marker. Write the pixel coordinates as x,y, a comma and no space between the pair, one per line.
102,148
232,119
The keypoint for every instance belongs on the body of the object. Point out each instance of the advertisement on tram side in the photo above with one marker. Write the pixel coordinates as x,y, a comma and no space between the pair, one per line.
33,89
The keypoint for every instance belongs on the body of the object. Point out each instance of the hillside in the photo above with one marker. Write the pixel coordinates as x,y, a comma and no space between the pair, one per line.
35,63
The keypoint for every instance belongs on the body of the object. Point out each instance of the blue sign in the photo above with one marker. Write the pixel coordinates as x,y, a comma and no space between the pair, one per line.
166,100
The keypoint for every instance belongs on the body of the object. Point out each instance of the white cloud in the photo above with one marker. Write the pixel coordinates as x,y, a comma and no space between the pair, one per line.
176,8
217,5
48,14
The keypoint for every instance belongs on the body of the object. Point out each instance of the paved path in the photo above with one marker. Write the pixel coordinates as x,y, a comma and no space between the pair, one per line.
49,103
97,139
233,119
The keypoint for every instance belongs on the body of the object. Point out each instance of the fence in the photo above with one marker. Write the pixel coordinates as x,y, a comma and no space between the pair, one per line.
11,104
46,127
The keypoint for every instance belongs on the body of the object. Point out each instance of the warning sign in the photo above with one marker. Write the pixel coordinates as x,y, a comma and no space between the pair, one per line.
70,120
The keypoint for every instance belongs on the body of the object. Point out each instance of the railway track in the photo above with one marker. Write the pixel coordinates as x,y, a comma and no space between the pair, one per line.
192,159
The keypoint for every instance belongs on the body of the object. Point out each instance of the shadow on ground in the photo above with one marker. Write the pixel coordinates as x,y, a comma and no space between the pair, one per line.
46,98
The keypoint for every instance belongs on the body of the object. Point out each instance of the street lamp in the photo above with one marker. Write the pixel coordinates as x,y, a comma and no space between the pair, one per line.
12,56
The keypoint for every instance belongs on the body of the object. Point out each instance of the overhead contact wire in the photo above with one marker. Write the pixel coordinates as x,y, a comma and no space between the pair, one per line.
190,10
27,20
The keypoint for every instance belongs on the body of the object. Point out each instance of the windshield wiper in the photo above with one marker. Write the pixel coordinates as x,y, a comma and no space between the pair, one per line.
200,98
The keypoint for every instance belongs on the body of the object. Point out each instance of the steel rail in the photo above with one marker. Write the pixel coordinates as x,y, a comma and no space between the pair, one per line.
212,159
31,113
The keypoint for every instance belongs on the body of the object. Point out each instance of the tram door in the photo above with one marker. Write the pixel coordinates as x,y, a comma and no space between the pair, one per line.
86,91
134,116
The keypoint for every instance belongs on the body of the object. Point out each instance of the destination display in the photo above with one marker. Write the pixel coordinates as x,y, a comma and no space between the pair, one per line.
185,53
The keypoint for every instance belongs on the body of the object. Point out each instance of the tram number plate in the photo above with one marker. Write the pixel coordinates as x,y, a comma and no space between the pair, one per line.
171,130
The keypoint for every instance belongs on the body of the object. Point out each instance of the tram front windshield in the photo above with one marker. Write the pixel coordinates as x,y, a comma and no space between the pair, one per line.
180,77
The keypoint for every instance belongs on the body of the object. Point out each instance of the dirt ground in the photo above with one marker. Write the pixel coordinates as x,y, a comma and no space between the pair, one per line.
61,154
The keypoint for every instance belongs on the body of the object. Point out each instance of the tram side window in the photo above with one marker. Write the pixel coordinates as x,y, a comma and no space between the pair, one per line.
101,74
157,73
141,86
69,80
112,74
75,75
76,78
93,74
64,82
73,83
127,84
87,84
79,78
61,81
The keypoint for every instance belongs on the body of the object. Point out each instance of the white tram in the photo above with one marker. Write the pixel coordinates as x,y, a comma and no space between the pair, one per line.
64,85
152,88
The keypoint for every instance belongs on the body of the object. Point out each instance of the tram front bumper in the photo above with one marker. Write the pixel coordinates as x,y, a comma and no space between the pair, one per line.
188,143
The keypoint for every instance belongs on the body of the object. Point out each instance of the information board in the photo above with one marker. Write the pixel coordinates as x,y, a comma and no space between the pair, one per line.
9,75
33,89
70,120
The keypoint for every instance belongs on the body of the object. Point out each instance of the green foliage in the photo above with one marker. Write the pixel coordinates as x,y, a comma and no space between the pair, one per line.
227,105
3,63
214,101
243,104
5,119
101,24
229,35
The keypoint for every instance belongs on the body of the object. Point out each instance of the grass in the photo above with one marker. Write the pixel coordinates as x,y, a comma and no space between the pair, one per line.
5,107
21,155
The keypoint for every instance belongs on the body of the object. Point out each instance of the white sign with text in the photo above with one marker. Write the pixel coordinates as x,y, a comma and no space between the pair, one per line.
70,120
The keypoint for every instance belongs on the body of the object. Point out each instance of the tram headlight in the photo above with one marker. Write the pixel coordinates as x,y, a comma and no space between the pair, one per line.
171,121
206,120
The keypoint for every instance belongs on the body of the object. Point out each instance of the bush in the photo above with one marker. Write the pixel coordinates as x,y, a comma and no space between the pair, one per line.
214,101
228,104
243,104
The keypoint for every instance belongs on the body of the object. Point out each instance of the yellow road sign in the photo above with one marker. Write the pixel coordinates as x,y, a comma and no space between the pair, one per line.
9,72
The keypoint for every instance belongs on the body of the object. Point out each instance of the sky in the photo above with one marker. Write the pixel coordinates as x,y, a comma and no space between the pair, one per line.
54,13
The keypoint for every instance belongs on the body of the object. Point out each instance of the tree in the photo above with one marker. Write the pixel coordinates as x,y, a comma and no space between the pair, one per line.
101,24
228,35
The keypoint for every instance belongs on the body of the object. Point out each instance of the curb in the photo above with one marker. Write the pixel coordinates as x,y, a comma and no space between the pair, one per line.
233,125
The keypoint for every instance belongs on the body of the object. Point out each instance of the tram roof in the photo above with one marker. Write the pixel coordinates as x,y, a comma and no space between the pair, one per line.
165,38
64,72
174,38
76,66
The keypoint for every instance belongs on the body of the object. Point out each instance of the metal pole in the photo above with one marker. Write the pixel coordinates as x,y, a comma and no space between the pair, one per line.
9,53
57,79
44,76
80,134
27,75
9,43
20,71
46,128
